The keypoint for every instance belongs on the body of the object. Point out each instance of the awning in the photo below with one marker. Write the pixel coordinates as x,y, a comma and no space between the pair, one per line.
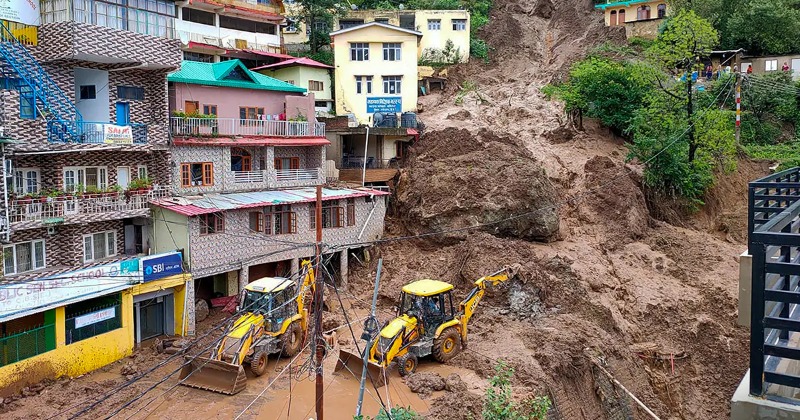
200,45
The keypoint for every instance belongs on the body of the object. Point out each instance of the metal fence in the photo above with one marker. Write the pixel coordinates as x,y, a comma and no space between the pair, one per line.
23,345
93,324
774,238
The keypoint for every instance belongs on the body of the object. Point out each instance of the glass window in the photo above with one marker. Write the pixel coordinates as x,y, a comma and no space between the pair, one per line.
99,245
392,84
88,92
212,223
93,317
198,16
363,84
197,174
238,24
24,256
315,86
662,11
359,51
86,177
280,220
193,56
434,24
142,172
459,24
26,181
391,51
771,65
130,92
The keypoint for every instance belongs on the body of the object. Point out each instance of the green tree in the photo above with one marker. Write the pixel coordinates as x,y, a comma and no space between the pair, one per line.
395,413
499,404
765,27
318,18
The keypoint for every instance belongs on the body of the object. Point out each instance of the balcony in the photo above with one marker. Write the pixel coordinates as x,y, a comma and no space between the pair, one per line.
87,132
229,127
281,178
72,208
249,177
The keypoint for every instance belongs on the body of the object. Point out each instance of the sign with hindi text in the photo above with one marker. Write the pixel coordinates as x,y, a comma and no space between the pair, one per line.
384,104
21,11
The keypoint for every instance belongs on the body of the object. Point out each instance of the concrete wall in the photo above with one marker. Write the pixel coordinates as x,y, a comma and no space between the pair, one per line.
745,288
438,38
170,232
92,109
228,100
224,37
347,101
746,407
300,75
631,9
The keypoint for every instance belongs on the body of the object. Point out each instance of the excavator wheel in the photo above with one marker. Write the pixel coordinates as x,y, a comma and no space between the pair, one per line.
259,363
407,364
292,339
447,345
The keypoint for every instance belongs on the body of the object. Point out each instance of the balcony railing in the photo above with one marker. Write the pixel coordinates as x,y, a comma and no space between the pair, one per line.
247,177
211,127
297,174
60,131
40,209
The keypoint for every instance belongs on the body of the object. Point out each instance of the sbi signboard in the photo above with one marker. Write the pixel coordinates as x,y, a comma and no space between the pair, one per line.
159,266
388,104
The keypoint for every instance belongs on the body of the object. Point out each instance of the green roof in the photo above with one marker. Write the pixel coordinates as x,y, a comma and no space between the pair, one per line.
231,73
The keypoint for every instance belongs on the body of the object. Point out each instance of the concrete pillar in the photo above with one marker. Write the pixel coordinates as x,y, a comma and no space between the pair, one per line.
243,277
745,287
190,308
232,283
343,255
295,266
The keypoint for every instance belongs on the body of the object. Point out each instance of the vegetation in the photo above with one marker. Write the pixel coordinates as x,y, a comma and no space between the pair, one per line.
436,57
499,404
395,413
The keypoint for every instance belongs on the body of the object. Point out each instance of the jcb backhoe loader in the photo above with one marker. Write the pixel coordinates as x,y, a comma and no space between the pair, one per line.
426,324
274,320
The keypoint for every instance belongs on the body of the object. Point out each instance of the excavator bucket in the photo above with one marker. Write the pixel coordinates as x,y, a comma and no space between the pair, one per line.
213,375
354,364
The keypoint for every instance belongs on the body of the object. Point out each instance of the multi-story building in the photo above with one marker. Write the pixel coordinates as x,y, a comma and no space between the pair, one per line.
307,73
640,18
86,113
246,157
215,30
436,26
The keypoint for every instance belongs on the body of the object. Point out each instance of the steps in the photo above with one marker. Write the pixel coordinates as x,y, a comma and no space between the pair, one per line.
39,94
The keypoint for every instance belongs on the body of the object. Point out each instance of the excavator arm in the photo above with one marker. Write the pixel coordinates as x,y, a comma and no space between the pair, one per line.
468,305
305,287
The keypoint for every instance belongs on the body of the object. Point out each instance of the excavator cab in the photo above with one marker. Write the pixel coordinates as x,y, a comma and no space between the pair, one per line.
275,305
430,301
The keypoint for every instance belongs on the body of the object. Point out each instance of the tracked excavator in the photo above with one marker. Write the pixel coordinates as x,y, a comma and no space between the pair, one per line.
427,323
275,320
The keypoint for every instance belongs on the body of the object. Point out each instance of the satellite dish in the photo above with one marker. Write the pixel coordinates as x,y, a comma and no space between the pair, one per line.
401,6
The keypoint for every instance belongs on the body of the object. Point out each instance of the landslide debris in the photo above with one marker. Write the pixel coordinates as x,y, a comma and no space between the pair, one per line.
456,179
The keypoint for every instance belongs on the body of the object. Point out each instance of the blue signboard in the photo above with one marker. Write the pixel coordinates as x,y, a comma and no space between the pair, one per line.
385,104
160,266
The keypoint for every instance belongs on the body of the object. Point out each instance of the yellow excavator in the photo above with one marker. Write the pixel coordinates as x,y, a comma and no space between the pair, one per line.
426,324
275,321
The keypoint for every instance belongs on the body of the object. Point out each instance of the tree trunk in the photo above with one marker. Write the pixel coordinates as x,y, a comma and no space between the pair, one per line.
313,40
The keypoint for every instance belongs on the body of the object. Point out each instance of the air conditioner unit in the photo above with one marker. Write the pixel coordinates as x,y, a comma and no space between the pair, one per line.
51,230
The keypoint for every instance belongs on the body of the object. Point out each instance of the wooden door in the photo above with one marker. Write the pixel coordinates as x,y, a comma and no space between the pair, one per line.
621,17
191,107
613,19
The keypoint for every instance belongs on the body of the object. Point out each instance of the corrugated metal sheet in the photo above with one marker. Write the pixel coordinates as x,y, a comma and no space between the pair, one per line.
211,203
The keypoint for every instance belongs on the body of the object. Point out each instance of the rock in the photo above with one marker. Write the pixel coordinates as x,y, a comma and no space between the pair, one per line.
181,343
460,115
424,383
172,350
201,310
544,9
454,383
26,392
129,369
129,377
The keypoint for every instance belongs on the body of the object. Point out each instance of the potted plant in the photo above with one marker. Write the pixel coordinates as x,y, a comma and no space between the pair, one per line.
113,191
93,192
25,199
80,190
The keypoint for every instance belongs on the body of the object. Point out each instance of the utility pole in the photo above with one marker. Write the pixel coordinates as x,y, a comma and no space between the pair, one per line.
319,341
370,331
738,107
690,110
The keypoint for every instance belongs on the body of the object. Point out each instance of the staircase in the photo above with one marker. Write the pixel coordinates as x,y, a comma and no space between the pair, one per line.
39,94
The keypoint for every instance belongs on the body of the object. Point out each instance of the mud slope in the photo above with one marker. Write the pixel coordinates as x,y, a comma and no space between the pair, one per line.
656,301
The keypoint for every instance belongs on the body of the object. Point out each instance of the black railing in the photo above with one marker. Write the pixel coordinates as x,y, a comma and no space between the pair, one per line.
774,244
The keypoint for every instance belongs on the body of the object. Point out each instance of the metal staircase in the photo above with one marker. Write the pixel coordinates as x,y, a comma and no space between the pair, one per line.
39,94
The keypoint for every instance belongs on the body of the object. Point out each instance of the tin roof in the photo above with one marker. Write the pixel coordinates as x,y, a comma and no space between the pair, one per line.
231,73
211,203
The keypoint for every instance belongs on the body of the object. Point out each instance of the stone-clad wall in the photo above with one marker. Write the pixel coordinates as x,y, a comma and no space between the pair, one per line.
239,247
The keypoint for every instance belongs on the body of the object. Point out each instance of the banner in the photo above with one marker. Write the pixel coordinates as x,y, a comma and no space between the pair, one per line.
386,104
95,317
22,11
117,134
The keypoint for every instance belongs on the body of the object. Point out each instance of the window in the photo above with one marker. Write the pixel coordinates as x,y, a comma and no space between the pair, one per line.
662,11
320,104
321,26
212,223
359,51
351,212
249,113
24,256
142,172
151,17
287,163
198,16
459,24
332,215
238,24
130,92
26,181
391,84
86,177
241,160
391,51
344,24
291,82
256,221
28,336
434,24
99,245
771,65
315,86
210,109
643,13
363,83
88,92
93,317
197,174
280,220
385,21
193,56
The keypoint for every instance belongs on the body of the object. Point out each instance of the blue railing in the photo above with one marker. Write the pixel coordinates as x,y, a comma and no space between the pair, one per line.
88,132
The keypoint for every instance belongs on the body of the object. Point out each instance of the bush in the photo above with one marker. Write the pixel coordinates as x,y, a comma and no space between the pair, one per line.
499,404
395,413
479,49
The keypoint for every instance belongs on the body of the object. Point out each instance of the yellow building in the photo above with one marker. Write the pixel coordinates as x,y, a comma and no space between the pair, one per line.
437,27
639,17
375,70
306,73
76,322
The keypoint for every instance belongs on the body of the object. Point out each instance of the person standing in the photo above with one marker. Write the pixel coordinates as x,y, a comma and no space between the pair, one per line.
709,72
785,67
750,69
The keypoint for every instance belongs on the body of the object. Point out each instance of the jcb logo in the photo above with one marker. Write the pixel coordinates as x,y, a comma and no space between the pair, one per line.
473,305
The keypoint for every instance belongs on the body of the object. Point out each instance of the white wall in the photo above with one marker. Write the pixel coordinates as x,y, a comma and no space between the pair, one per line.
228,37
93,110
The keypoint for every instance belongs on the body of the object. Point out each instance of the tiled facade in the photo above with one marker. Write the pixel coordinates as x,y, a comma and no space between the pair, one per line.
214,253
262,158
